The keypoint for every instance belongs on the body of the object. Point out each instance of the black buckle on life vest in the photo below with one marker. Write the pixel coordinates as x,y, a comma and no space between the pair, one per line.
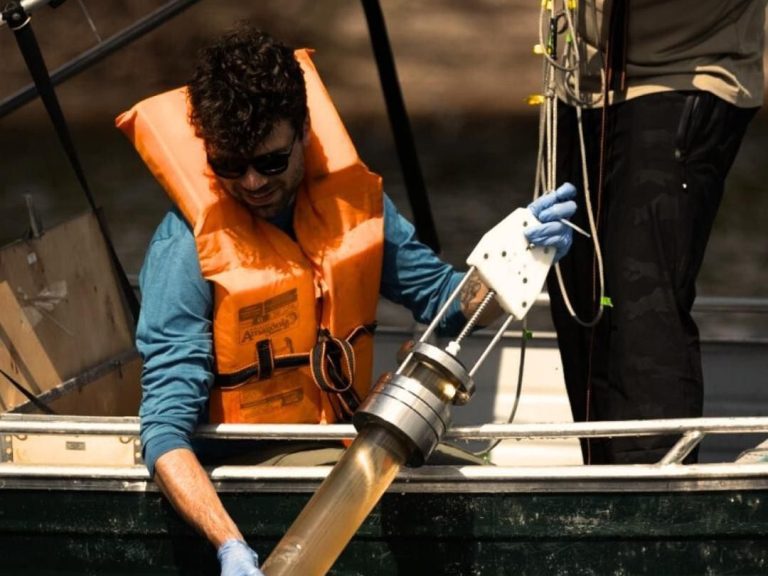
266,358
263,368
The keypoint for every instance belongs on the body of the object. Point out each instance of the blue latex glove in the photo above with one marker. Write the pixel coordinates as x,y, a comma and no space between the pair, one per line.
237,559
549,209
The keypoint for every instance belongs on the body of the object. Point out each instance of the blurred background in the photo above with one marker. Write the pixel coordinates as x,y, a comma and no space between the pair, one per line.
465,69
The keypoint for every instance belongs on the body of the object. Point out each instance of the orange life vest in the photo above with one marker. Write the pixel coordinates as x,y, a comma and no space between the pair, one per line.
292,322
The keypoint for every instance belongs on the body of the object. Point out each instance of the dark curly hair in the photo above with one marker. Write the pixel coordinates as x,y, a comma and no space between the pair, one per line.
243,84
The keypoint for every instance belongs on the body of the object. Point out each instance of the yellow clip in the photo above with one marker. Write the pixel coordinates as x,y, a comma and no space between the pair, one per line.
573,4
535,100
546,4
538,49
606,301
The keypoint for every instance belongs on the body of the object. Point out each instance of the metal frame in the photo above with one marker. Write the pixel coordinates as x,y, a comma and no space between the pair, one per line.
96,53
666,475
427,479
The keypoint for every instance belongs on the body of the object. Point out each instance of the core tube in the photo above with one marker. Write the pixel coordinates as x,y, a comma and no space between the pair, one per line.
335,512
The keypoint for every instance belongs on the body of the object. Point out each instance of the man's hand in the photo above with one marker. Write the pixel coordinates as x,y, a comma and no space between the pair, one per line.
237,559
549,209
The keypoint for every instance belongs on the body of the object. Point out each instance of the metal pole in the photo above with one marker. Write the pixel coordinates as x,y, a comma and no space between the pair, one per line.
98,52
401,126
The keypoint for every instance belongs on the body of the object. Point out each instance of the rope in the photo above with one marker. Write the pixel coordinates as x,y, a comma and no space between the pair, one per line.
546,172
545,179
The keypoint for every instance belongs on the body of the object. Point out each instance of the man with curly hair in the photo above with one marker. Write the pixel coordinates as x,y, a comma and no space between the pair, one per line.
280,241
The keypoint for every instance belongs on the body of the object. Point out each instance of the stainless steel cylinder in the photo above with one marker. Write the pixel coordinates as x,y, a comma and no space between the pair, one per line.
415,403
409,410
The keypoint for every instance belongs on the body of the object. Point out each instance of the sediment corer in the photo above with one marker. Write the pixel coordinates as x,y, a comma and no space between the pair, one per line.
409,410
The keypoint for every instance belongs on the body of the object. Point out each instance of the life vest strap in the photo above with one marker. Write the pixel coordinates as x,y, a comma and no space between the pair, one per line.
333,367
328,373
332,362
261,369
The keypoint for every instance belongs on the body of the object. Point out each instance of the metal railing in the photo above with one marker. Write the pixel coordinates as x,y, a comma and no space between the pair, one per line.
691,430
666,475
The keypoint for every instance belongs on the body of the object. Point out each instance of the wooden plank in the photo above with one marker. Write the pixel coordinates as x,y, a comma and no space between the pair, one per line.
61,310
117,393
22,354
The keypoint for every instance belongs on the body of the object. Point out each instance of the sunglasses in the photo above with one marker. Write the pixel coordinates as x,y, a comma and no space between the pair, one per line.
270,164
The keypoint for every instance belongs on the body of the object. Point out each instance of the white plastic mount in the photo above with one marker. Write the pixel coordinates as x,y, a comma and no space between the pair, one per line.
511,267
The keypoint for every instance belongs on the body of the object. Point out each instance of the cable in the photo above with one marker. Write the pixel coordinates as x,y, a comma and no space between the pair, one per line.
545,179
546,171
34,400
525,335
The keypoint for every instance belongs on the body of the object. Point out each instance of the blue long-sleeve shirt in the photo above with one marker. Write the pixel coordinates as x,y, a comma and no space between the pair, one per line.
174,333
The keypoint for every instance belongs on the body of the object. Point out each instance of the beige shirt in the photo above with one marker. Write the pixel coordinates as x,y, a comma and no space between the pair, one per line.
710,45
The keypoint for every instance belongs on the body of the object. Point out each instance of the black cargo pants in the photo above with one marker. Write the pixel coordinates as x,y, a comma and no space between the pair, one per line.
666,159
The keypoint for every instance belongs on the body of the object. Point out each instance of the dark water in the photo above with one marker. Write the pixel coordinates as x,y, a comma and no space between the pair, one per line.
477,169
465,71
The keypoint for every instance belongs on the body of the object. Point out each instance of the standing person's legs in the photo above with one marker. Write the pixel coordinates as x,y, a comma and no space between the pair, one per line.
667,158
580,357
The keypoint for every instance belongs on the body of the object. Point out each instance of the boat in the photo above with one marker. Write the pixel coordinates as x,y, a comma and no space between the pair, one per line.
75,487
75,497
97,511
